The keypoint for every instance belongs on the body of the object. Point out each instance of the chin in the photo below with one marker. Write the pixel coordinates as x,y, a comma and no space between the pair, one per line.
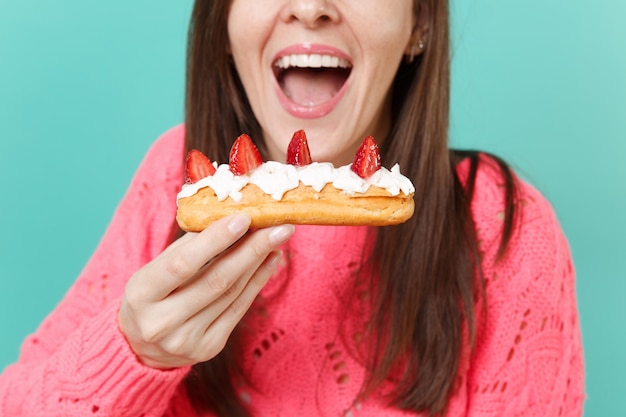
336,156
324,140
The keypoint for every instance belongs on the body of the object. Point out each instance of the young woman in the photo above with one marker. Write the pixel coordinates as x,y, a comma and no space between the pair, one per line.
468,309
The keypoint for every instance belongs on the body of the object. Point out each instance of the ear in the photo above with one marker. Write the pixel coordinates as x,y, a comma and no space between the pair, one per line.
419,36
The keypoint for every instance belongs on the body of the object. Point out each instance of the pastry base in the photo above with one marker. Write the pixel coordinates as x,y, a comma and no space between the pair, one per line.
302,205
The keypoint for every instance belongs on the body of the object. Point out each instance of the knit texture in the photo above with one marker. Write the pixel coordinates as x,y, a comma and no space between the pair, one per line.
301,352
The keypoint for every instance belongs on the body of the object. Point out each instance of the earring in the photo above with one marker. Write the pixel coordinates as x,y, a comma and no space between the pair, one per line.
411,57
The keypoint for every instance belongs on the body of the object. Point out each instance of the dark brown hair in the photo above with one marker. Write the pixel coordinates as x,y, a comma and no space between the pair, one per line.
426,276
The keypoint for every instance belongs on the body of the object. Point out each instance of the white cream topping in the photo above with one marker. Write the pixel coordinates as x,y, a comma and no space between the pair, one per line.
223,182
317,174
276,179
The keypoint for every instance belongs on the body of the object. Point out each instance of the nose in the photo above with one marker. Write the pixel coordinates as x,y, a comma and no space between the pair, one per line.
310,13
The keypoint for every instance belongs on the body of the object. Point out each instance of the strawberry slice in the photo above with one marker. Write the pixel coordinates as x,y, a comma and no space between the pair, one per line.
244,156
367,158
298,151
197,166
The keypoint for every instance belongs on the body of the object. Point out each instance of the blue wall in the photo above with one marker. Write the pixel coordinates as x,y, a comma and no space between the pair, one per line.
86,86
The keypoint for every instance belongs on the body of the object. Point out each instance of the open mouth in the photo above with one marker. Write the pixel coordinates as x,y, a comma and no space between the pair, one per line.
311,80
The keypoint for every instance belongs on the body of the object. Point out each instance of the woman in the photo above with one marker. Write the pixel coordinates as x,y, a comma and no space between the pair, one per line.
467,309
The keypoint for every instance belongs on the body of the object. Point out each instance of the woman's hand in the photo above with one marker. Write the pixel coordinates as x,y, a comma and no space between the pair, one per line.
181,308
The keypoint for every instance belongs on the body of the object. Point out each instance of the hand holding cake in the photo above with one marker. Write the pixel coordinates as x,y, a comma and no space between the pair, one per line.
297,192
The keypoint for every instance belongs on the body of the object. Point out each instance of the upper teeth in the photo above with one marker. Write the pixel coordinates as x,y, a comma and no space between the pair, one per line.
311,61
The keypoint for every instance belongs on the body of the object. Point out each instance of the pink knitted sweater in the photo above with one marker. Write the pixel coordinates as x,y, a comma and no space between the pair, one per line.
527,362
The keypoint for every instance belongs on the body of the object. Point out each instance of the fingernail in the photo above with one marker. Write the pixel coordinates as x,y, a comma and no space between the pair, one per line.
239,224
281,233
273,259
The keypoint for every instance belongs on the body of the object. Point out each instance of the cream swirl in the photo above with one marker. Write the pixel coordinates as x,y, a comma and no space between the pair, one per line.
275,179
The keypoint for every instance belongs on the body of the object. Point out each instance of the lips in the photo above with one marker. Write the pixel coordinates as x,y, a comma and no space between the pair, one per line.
310,80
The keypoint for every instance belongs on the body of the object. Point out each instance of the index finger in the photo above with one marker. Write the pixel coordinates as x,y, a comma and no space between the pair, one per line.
187,256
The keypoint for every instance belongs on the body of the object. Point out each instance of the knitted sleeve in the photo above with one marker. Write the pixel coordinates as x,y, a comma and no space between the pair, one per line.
78,363
528,357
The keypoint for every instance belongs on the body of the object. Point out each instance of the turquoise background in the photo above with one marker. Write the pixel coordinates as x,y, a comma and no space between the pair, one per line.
86,86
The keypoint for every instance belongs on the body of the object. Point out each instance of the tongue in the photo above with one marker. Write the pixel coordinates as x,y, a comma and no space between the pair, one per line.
310,88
